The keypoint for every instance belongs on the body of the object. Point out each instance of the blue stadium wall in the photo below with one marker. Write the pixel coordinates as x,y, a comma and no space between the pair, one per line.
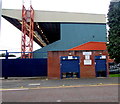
74,34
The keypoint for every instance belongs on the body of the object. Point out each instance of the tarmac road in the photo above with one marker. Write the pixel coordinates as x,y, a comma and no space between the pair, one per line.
66,90
107,93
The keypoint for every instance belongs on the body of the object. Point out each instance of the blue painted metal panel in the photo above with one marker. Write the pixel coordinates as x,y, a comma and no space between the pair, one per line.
97,57
101,68
24,67
100,65
70,65
100,57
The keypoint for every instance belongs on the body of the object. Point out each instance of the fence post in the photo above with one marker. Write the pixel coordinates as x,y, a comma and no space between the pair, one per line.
7,54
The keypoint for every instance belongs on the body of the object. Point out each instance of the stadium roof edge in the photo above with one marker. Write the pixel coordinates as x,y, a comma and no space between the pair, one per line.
55,16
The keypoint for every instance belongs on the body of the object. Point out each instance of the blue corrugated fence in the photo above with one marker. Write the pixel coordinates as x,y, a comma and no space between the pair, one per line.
24,67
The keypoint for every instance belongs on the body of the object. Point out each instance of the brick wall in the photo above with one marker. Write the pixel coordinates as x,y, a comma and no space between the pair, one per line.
86,71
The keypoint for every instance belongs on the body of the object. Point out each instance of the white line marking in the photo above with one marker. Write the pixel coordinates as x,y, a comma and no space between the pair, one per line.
34,84
58,101
14,89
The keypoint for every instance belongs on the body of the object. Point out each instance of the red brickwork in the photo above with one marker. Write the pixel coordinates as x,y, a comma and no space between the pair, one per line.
86,71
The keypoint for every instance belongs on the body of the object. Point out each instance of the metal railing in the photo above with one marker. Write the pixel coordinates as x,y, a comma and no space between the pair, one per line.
7,54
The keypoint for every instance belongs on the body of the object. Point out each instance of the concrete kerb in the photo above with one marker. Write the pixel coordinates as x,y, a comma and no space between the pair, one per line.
43,77
24,78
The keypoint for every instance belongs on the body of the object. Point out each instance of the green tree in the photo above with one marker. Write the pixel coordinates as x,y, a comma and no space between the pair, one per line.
4,55
114,31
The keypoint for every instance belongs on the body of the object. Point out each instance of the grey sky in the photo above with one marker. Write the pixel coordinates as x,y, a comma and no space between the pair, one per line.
115,0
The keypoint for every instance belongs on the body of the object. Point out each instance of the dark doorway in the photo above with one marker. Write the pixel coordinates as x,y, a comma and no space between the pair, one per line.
101,68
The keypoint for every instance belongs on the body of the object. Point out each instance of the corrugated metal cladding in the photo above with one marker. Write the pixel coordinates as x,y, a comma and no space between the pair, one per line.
74,34
88,64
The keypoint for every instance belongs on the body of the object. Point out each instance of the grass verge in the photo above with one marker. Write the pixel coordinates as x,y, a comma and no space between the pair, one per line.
114,75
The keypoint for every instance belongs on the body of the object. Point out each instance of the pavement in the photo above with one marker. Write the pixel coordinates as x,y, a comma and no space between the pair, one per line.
37,82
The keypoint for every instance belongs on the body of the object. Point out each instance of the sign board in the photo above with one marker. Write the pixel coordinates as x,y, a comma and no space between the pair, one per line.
87,53
103,57
87,62
70,57
87,57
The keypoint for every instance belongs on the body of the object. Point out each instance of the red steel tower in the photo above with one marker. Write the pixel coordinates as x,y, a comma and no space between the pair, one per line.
27,32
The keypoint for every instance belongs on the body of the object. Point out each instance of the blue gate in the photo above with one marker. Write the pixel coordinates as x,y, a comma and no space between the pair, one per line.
70,66
24,67
101,67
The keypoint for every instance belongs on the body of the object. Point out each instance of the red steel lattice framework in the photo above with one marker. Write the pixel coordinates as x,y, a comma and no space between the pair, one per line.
27,32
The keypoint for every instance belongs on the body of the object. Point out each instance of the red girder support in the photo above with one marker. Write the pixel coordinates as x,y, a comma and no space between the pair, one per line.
27,32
